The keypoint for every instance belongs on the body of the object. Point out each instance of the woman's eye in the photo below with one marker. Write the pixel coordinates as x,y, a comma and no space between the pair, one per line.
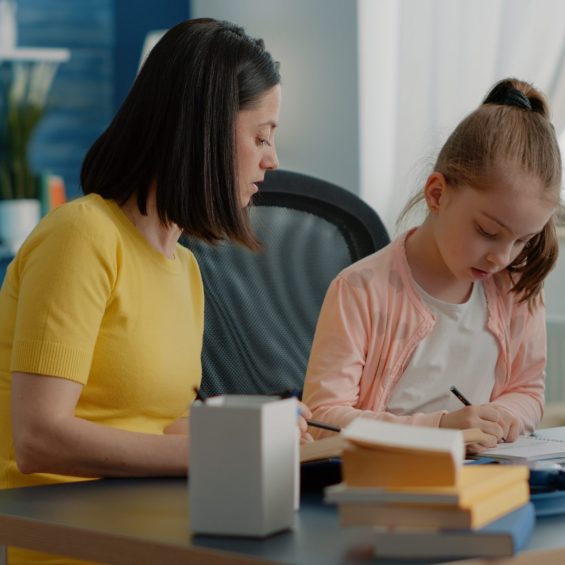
265,142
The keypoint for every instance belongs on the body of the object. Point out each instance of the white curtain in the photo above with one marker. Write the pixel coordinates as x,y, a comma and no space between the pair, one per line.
425,64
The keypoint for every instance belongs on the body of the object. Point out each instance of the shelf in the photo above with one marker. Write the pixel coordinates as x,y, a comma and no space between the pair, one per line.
34,54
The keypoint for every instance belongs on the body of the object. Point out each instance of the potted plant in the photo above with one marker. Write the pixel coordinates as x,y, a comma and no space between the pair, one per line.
24,86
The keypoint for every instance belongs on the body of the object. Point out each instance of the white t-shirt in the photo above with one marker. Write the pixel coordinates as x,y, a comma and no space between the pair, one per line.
459,351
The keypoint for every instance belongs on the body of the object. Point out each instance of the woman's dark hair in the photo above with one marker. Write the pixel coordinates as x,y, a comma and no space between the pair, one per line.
177,128
510,127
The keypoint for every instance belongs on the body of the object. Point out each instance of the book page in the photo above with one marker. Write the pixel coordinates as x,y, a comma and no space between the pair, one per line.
555,434
527,449
376,434
324,448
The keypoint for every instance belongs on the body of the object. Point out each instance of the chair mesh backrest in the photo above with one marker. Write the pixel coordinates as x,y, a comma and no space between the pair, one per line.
261,308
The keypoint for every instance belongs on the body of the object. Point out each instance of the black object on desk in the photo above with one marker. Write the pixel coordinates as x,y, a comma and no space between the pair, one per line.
317,475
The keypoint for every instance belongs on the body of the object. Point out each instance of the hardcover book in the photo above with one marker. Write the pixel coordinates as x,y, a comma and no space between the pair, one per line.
475,515
382,454
503,537
475,482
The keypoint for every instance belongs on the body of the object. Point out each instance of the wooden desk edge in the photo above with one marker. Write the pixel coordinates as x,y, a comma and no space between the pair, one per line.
111,549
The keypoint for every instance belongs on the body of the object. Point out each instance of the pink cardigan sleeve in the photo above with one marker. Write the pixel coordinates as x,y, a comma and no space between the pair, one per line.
522,393
345,333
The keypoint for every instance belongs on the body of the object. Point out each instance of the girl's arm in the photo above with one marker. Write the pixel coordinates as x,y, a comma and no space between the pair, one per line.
348,323
49,438
522,393
347,326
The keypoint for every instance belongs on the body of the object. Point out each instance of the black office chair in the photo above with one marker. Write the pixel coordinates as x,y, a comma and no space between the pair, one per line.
261,308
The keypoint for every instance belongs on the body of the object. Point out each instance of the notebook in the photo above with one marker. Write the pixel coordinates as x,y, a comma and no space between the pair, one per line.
544,444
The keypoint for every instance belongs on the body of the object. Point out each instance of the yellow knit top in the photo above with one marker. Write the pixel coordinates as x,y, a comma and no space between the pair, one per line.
88,299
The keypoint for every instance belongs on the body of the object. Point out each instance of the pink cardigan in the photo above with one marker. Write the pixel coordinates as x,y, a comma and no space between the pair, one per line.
372,320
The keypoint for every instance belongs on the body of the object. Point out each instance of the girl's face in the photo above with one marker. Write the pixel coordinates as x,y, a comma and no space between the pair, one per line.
255,142
480,232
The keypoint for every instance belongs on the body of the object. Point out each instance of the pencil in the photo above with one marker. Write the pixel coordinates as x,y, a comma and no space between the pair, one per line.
323,425
456,392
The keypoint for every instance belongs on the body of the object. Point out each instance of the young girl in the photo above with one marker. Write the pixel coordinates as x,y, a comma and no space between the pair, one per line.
456,301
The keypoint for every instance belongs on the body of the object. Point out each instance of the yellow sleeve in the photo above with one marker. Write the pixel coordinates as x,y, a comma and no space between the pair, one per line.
66,274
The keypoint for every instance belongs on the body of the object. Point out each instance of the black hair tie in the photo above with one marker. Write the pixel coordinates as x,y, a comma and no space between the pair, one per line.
504,94
515,97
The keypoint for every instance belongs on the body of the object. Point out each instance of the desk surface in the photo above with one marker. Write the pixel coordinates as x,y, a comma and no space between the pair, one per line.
146,521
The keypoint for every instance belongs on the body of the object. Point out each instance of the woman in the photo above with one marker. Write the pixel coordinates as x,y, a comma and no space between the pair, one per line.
101,312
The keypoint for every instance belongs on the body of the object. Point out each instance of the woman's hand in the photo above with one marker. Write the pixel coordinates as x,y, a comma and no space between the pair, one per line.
179,427
305,414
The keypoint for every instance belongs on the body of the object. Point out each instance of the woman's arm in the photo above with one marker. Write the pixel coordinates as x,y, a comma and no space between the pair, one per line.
49,438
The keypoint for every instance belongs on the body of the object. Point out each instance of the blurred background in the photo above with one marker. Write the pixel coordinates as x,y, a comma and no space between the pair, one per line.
371,88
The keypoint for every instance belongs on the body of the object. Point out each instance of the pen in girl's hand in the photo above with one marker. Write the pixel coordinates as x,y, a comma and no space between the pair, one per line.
323,425
456,392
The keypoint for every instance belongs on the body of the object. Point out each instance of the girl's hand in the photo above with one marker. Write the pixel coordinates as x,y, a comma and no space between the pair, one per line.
486,417
305,414
511,426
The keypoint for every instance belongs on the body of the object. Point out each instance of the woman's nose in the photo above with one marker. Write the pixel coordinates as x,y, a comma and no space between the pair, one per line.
270,160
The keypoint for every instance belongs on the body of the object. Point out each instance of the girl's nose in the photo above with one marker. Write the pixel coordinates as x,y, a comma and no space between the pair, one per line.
501,256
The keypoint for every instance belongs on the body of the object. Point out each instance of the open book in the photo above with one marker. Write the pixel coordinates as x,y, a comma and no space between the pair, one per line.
331,447
543,445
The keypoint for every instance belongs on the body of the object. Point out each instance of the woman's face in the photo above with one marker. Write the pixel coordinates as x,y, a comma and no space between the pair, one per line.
255,142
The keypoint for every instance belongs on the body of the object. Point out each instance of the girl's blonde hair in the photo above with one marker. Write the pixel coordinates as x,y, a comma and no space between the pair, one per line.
510,127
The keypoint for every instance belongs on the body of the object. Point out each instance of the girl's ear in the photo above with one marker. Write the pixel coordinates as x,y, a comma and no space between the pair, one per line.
435,191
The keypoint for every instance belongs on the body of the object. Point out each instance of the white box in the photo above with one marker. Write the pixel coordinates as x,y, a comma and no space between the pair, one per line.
243,466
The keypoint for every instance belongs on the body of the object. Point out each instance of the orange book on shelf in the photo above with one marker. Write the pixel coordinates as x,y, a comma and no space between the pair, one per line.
51,190
56,187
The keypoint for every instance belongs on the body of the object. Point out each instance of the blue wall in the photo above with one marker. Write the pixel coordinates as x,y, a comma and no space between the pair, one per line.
132,24
105,38
81,99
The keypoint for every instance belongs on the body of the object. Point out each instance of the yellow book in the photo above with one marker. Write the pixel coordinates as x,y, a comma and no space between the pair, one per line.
365,467
474,483
476,515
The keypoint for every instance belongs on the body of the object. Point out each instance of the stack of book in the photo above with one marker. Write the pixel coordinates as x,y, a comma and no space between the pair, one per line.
410,483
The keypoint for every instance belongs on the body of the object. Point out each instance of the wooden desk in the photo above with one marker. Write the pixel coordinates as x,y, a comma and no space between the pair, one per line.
146,521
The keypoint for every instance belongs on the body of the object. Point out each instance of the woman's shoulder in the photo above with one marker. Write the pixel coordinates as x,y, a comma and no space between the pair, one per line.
91,208
187,258
87,220
90,216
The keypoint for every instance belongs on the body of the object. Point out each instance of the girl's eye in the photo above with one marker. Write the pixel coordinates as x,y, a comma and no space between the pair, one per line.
264,142
485,233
